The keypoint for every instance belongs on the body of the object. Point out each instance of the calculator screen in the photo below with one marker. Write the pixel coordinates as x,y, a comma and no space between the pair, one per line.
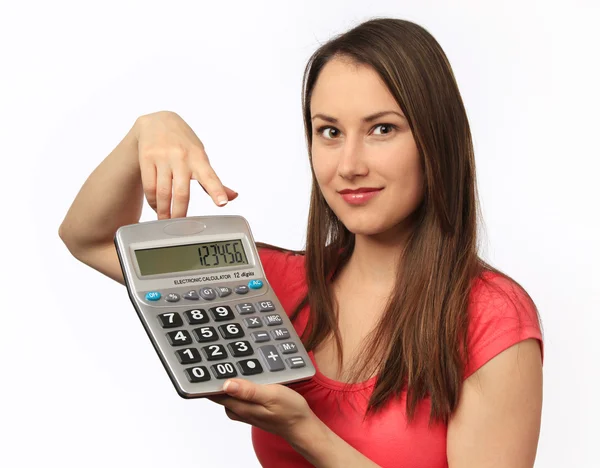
191,257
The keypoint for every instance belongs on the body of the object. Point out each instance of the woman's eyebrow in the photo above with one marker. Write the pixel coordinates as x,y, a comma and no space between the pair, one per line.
367,119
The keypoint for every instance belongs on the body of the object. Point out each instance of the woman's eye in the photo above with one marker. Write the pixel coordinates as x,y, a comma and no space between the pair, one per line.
321,129
388,127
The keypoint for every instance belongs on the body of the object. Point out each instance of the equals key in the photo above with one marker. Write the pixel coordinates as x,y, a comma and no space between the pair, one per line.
296,361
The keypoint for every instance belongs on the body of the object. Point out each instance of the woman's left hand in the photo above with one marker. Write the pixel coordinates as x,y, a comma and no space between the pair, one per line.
274,408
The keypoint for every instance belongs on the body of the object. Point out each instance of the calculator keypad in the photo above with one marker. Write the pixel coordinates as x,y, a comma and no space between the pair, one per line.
249,326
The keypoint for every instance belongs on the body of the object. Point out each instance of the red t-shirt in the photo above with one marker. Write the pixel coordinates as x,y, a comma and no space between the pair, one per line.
386,439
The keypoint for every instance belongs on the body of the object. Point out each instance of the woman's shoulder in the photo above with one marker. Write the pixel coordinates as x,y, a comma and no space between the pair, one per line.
275,258
495,291
501,314
284,268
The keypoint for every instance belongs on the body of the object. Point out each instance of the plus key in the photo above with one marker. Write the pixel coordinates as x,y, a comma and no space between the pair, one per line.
271,357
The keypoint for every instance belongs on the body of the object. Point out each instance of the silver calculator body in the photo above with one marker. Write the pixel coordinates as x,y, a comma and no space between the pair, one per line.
201,293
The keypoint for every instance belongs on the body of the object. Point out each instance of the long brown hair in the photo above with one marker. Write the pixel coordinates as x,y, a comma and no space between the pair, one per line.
420,343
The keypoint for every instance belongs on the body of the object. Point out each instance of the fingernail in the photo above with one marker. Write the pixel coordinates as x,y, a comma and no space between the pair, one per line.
230,386
222,200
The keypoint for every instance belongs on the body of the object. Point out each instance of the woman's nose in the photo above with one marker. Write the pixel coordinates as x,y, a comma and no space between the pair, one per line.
352,161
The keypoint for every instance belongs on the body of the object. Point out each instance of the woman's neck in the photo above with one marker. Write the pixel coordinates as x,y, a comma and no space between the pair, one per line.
375,260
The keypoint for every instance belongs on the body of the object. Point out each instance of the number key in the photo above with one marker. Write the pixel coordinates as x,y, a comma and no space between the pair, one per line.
221,313
196,316
204,334
170,320
240,348
224,370
179,338
188,356
197,374
231,330
214,352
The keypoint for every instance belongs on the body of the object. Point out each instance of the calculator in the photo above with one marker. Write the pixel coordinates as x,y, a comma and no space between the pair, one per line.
199,289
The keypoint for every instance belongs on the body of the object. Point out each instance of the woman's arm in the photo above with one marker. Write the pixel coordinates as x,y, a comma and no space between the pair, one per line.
497,422
323,448
111,197
157,158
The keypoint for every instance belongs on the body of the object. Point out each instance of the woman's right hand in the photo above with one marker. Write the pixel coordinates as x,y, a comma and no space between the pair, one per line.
170,155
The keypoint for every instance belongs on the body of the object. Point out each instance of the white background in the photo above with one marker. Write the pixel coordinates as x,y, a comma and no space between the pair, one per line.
81,384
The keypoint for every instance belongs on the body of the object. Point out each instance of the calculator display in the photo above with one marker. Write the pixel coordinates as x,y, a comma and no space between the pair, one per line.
191,257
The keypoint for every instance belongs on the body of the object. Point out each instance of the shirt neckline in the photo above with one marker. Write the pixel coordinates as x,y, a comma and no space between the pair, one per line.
336,385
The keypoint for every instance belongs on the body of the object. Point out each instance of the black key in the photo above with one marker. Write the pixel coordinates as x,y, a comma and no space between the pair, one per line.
224,370
179,338
188,356
196,316
250,366
240,348
170,320
231,330
197,374
221,313
205,334
214,352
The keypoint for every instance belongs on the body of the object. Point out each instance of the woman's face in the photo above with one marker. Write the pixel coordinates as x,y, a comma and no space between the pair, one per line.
350,155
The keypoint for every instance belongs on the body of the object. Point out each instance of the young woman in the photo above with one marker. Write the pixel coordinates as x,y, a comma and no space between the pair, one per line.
427,357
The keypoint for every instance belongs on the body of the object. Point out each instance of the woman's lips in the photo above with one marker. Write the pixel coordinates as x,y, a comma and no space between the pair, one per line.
359,197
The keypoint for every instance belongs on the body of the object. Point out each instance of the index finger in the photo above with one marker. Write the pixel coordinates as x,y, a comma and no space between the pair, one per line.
203,172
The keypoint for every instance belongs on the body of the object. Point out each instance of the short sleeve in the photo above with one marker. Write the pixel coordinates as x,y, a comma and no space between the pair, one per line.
501,315
284,271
